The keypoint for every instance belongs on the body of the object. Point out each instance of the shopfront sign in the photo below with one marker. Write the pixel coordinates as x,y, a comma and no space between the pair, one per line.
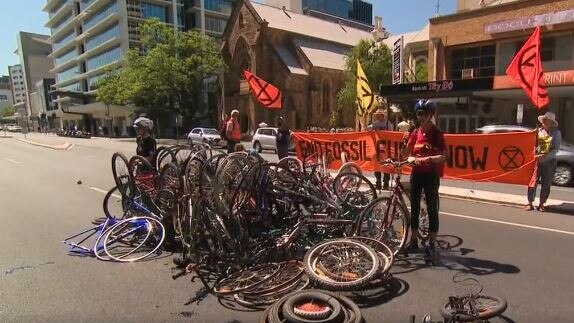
437,87
522,23
558,78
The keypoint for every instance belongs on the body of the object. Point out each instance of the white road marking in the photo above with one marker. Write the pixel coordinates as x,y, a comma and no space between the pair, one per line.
12,161
104,192
508,223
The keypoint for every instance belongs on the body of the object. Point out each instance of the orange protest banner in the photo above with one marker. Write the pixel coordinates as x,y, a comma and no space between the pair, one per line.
504,158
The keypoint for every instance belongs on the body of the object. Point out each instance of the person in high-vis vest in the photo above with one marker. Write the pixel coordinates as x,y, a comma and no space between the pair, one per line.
233,131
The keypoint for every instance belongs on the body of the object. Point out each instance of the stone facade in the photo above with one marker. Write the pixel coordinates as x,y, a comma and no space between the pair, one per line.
309,97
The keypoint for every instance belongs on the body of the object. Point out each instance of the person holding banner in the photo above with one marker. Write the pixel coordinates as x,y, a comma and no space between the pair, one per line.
426,149
549,141
381,122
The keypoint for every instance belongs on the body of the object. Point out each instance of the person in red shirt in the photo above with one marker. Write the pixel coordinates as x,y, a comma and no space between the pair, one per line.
233,131
426,149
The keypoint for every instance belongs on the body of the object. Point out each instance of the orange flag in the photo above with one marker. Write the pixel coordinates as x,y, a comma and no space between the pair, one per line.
526,69
267,94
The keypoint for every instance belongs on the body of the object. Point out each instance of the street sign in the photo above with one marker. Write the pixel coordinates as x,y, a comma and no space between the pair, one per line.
398,61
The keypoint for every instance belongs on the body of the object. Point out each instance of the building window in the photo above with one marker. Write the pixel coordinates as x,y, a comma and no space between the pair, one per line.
93,82
103,37
241,21
215,24
103,59
154,11
554,49
481,59
65,40
101,15
75,87
223,6
67,74
66,57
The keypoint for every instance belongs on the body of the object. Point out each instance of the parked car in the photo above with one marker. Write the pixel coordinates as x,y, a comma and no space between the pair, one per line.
264,138
206,135
563,175
14,128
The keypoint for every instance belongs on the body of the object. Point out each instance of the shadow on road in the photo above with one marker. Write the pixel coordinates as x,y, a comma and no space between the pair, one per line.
564,208
450,258
379,292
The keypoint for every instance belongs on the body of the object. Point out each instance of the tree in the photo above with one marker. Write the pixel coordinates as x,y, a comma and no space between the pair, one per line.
376,61
166,75
8,112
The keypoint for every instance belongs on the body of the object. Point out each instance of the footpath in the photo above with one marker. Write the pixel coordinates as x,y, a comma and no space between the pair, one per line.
510,195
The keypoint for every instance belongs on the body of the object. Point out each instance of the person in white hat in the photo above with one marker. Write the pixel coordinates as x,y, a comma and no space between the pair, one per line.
549,141
381,122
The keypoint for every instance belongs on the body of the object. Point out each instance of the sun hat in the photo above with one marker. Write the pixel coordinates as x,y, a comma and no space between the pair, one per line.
548,116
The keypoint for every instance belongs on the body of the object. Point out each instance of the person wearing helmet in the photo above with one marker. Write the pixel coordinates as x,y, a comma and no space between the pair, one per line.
427,151
146,144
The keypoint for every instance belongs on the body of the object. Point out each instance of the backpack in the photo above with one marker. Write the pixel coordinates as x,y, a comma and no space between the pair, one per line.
223,129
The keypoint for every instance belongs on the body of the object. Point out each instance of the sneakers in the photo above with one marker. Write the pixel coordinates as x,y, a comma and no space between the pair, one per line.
528,207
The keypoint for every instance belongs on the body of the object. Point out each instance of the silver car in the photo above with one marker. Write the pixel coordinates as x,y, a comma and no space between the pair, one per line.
264,138
206,135
563,175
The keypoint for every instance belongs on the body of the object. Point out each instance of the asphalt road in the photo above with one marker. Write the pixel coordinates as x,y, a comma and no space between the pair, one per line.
524,257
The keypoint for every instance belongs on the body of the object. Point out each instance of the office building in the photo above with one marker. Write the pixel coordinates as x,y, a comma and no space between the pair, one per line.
17,83
90,36
352,13
5,93
210,19
32,50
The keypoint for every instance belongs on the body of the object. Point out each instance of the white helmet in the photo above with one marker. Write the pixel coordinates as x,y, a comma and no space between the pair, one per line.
143,122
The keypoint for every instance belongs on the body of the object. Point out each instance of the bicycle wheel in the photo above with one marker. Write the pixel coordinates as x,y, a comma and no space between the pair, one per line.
246,279
385,253
114,206
342,264
385,222
475,307
134,239
354,190
424,222
293,164
121,172
350,167
170,178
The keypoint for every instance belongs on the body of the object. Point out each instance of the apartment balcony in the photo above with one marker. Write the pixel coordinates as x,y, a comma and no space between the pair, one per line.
102,25
61,13
95,6
62,31
62,67
50,5
109,44
103,68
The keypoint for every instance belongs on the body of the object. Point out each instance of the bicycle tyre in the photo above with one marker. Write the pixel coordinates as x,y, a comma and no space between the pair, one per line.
360,180
380,234
119,177
106,207
501,305
350,167
314,253
155,247
291,313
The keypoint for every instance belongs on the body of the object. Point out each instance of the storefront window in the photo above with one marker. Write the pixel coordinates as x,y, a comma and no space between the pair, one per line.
481,59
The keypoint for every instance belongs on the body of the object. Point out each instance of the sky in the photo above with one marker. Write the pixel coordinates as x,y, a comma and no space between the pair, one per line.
399,16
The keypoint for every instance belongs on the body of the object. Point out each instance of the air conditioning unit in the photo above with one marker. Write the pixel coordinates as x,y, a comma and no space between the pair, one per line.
468,73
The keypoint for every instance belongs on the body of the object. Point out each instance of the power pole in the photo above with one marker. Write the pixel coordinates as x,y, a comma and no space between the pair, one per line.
437,8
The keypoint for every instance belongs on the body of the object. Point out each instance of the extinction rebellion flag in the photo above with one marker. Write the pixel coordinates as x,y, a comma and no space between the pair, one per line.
526,69
267,94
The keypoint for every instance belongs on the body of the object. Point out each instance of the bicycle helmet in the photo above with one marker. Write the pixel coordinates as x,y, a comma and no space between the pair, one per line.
425,105
143,122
